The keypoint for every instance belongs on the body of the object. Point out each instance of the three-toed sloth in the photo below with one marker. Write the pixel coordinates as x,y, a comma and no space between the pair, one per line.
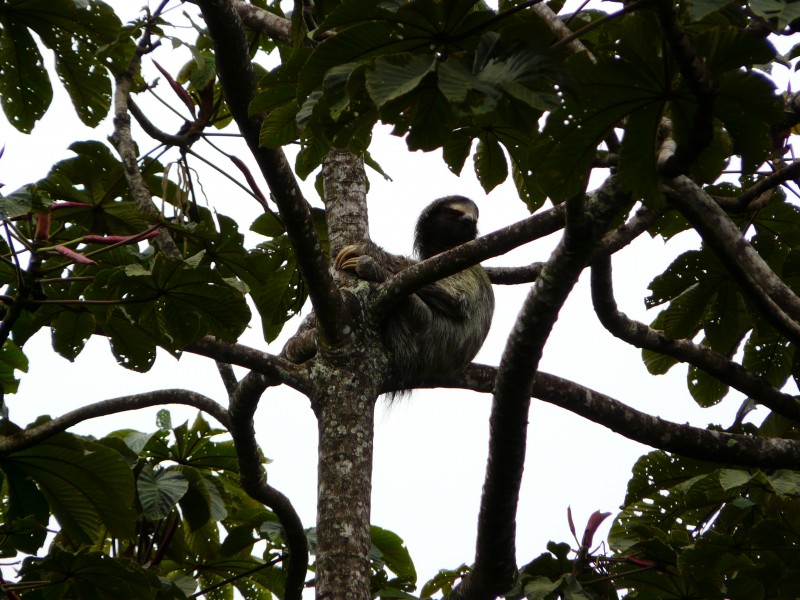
439,329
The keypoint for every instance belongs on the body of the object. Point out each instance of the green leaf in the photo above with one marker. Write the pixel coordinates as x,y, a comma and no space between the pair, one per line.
637,161
733,478
202,503
781,12
75,31
393,553
351,45
456,150
392,76
279,128
12,359
268,224
88,486
133,348
71,330
159,491
275,284
706,389
748,106
180,303
607,92
490,163
25,89
23,201
769,355
90,575
701,8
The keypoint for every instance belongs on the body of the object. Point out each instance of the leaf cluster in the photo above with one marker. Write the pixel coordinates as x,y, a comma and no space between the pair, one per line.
707,532
86,39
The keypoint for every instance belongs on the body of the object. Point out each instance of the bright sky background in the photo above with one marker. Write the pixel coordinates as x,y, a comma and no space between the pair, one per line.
430,449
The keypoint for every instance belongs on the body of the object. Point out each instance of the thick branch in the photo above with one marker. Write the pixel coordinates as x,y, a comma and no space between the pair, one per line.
258,19
774,299
238,82
495,560
277,369
30,437
514,275
452,261
703,357
345,199
702,444
243,406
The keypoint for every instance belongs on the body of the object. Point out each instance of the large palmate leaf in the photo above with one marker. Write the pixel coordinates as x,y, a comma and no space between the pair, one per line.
94,575
88,487
76,31
177,302
685,518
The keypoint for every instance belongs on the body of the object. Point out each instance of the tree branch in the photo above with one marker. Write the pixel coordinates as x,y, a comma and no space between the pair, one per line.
243,404
564,34
238,82
495,559
744,201
514,275
452,261
703,357
30,437
261,20
686,440
123,143
611,243
271,366
773,298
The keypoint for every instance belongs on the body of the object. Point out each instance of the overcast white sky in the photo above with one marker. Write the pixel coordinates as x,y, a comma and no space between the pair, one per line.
430,449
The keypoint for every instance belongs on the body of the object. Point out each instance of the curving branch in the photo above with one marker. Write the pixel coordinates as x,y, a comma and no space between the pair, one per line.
266,364
183,140
495,555
622,236
640,335
686,440
34,435
238,82
243,404
615,241
774,299
744,202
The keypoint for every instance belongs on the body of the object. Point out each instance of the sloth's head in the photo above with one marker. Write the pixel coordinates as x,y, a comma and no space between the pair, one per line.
445,223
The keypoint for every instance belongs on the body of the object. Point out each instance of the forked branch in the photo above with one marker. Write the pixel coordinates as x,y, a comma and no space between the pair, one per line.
640,335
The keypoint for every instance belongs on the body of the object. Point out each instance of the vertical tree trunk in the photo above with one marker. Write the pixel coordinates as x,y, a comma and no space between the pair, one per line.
345,489
347,382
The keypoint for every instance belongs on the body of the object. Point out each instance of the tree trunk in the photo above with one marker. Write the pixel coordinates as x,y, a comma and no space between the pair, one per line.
345,419
347,381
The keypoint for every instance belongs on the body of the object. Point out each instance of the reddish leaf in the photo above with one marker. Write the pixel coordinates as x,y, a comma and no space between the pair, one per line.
178,89
74,256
